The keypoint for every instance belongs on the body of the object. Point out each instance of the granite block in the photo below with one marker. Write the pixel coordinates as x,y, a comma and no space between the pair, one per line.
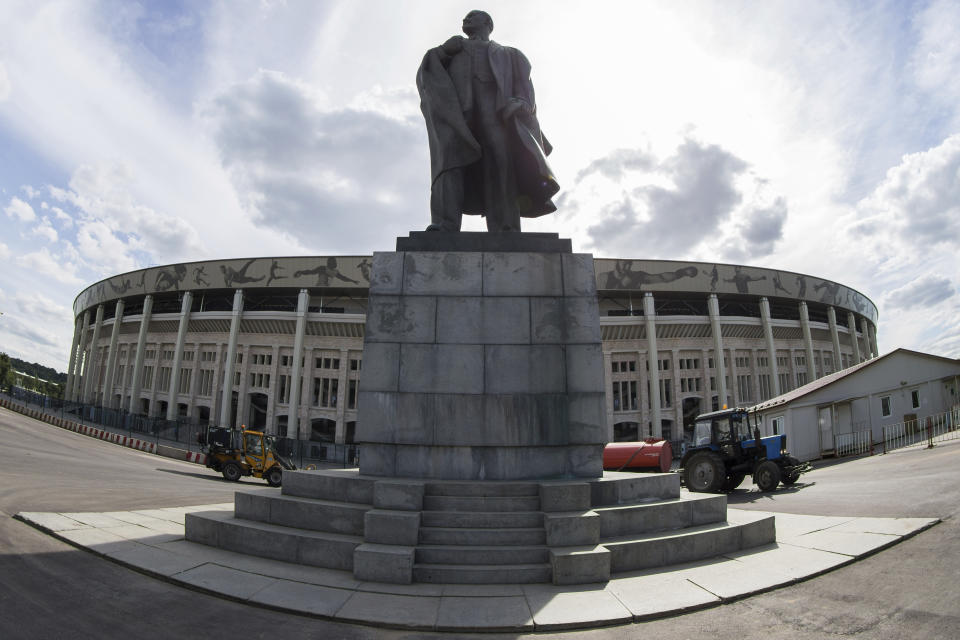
522,274
584,364
400,319
524,369
381,366
383,563
386,273
490,320
564,320
385,526
441,368
442,273
579,277
403,495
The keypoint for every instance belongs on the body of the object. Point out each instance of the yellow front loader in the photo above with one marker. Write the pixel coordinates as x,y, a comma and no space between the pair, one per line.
243,453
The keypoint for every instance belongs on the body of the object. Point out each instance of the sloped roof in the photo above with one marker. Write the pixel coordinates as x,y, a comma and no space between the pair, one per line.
826,381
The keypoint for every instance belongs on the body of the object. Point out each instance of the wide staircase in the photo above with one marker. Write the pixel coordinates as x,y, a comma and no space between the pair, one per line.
565,532
481,533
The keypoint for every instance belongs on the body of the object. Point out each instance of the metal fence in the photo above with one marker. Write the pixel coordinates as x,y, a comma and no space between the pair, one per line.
182,432
854,444
930,430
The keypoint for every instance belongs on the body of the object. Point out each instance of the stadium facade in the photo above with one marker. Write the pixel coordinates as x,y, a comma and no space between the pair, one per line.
221,341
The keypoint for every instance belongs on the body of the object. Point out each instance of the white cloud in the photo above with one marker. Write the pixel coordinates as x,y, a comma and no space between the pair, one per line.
4,83
45,230
4,251
62,216
114,226
700,198
918,201
44,263
357,176
41,308
925,291
20,210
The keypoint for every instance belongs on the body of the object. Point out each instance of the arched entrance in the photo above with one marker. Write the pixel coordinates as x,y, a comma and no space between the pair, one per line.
258,411
626,432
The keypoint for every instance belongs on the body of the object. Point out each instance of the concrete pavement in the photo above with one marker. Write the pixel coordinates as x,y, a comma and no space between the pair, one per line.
151,541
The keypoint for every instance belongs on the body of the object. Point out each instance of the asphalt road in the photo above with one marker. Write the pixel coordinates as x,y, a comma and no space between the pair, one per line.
49,589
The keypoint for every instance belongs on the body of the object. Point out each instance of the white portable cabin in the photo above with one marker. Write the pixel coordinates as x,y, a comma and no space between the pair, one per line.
902,386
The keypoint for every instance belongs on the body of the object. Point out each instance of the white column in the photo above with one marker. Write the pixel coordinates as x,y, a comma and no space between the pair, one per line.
178,355
272,391
89,386
713,306
226,400
873,340
293,418
835,338
868,350
137,373
77,331
771,347
653,360
107,398
81,348
808,342
852,327
341,394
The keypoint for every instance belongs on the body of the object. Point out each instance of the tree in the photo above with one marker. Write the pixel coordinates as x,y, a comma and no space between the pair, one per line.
6,372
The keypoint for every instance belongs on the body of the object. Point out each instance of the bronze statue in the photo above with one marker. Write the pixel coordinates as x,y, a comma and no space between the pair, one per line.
487,153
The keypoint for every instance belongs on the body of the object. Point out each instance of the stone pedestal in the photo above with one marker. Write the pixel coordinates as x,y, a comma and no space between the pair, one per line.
482,361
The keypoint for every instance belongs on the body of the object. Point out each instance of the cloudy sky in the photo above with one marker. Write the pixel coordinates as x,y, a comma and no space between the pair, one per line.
816,137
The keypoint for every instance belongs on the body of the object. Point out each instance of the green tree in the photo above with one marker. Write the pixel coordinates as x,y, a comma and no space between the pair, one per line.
6,372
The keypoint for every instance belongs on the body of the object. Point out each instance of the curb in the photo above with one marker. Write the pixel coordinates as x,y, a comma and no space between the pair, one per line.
107,436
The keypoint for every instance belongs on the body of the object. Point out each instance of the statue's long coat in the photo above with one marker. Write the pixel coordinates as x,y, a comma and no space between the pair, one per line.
446,89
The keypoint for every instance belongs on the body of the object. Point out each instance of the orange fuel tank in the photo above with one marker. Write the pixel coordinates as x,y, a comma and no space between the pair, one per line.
649,455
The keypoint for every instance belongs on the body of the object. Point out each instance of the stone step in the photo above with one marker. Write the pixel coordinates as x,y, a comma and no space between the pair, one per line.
482,519
480,489
481,503
621,487
480,555
341,485
644,551
481,574
302,513
483,537
316,548
661,515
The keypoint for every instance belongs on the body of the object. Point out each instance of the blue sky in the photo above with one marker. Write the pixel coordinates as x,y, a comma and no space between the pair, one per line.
818,137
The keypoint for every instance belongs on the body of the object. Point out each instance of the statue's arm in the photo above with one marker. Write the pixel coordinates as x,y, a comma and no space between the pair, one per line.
450,48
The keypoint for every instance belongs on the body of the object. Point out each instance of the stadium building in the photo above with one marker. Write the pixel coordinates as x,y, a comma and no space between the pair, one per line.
222,341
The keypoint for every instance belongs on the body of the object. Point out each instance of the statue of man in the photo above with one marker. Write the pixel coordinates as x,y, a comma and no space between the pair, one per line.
487,154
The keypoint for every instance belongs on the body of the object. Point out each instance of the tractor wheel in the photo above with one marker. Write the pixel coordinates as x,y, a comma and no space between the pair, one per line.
274,476
767,475
733,481
704,473
790,478
232,471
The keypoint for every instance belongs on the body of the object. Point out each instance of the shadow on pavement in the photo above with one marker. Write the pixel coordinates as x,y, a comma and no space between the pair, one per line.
749,496
204,476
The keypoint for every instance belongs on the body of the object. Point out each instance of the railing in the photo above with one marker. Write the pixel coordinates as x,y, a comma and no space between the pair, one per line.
939,427
182,432
854,444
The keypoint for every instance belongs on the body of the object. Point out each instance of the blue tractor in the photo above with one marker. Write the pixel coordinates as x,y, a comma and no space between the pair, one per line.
727,448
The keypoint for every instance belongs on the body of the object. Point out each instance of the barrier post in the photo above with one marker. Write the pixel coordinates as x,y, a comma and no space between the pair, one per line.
929,432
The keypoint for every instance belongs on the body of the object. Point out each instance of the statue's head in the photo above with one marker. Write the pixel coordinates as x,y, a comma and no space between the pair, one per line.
477,22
